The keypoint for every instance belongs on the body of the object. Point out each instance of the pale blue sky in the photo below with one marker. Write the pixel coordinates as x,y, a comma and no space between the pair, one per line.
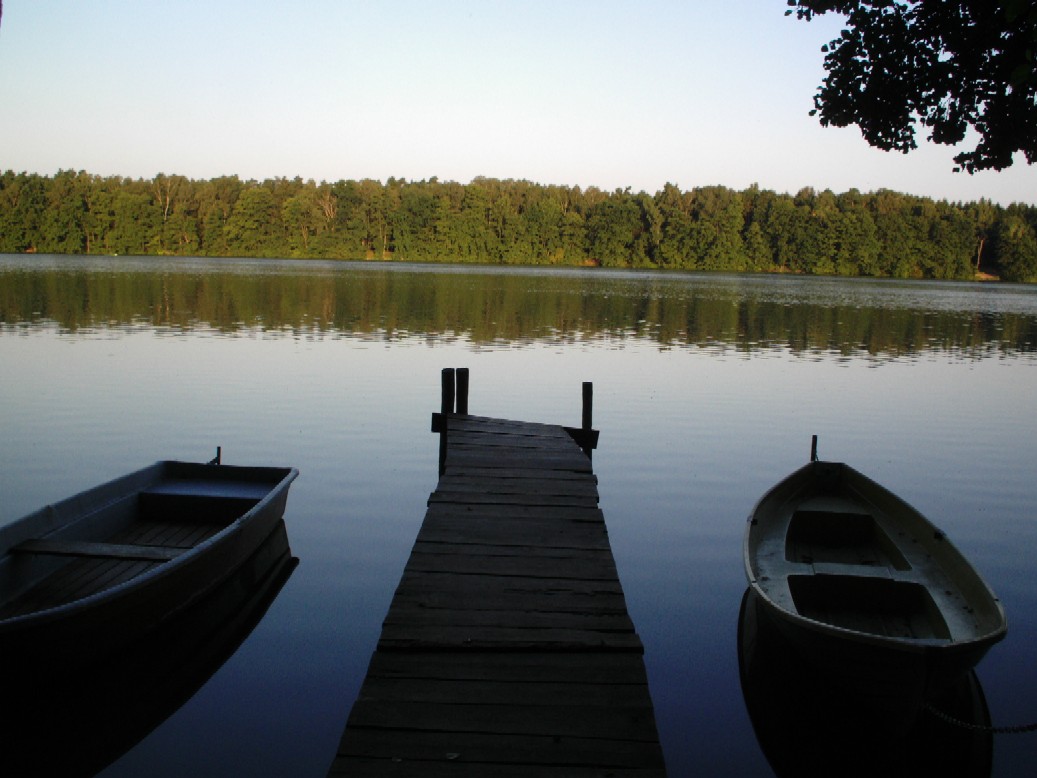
606,94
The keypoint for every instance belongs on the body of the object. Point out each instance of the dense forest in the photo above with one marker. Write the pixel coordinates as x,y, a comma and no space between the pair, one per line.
883,233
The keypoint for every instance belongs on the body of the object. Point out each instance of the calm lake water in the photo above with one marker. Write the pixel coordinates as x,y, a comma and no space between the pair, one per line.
707,390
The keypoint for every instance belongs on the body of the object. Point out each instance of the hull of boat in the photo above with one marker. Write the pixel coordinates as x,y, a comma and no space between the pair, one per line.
100,710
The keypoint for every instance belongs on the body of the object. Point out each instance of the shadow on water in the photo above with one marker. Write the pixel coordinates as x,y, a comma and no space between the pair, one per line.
76,722
808,726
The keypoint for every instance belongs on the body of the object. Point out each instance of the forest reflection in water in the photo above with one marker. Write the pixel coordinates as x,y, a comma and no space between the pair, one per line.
882,319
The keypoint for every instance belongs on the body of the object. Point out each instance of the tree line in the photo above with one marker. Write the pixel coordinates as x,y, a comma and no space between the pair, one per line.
881,234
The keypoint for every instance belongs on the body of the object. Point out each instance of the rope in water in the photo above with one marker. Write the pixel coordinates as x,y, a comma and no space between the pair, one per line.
1018,729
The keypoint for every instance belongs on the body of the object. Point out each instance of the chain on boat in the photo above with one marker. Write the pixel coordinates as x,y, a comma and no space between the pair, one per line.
1017,729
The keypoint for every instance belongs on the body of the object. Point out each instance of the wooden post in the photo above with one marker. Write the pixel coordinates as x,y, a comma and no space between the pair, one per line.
446,407
588,405
462,391
588,414
813,448
447,403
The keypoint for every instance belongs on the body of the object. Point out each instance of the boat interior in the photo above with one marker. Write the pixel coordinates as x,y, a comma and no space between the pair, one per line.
119,540
839,537
836,556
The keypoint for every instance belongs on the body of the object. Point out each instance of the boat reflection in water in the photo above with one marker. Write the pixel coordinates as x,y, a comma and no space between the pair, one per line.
78,721
809,723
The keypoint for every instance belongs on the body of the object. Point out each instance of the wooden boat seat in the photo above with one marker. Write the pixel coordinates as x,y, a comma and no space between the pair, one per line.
861,571
878,606
205,502
210,488
84,548
821,535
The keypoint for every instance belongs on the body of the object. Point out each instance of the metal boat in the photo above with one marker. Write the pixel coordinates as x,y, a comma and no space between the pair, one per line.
93,572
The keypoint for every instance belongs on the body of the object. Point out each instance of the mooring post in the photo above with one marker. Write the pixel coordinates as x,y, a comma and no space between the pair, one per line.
588,414
447,403
588,405
462,391
446,407
813,448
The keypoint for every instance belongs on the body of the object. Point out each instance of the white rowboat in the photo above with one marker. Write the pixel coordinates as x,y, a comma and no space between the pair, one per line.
852,572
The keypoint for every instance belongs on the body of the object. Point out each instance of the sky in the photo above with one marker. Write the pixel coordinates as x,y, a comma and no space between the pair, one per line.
574,92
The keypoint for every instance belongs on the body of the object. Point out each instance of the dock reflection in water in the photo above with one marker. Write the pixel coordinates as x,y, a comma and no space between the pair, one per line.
77,721
808,726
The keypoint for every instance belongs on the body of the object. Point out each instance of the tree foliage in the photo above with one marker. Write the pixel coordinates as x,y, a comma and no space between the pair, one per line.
882,233
950,65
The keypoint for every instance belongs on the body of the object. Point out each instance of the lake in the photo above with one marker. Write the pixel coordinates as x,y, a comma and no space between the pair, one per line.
707,389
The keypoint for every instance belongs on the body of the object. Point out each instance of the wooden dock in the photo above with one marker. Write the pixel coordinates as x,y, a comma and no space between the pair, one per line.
507,649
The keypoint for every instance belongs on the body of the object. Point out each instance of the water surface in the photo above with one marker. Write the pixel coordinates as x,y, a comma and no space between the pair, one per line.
707,390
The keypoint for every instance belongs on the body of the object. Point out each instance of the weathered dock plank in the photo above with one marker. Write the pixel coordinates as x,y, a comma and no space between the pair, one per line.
500,714
563,599
504,473
522,533
583,567
519,459
489,512
481,484
507,649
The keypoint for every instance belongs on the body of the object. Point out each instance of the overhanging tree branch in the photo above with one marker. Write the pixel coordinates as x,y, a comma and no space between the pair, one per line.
949,65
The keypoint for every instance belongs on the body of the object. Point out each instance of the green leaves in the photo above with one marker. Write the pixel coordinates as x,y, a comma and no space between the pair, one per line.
947,65
513,222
